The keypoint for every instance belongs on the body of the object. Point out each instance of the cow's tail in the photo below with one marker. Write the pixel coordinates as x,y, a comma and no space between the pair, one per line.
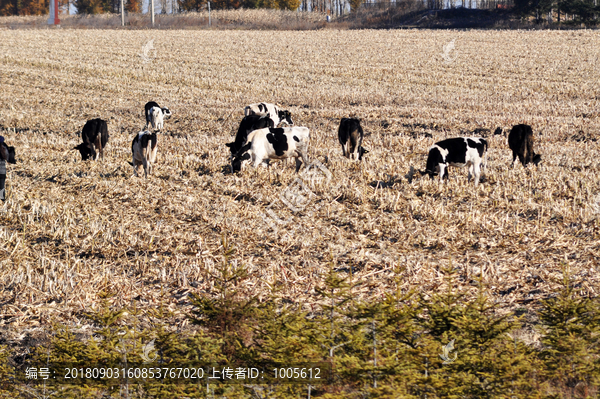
485,154
530,153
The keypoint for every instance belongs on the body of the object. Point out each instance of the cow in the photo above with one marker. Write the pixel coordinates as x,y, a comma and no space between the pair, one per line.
458,151
520,141
248,124
95,136
153,116
350,135
143,149
277,115
274,143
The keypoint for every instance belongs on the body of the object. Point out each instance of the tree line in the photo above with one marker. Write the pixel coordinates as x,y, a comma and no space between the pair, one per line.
560,10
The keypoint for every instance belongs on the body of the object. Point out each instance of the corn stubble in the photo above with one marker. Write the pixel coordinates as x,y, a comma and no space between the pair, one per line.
72,229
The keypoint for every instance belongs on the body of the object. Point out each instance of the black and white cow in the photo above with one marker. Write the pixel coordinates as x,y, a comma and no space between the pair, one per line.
274,143
95,136
520,141
276,114
459,151
143,149
153,116
248,124
351,135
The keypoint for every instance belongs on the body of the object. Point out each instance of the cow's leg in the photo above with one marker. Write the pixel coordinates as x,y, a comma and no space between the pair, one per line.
298,164
135,167
304,159
476,172
2,188
256,160
470,172
153,154
353,148
443,172
98,147
145,164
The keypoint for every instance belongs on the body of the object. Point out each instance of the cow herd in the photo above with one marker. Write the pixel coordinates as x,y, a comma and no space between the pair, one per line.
259,139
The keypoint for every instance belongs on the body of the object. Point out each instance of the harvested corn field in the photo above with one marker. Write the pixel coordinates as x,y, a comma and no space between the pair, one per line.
71,229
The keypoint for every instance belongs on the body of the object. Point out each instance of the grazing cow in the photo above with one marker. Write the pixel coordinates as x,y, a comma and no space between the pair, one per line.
95,137
274,143
153,117
351,135
459,151
143,149
520,141
273,112
248,124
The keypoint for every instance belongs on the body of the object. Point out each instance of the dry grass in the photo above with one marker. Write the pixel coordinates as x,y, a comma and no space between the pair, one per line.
220,19
72,229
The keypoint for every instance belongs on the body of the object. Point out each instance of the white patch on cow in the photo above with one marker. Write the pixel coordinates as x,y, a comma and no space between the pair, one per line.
442,151
156,118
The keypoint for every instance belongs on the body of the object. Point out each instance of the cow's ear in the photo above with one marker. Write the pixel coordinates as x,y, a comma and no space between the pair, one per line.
245,156
230,145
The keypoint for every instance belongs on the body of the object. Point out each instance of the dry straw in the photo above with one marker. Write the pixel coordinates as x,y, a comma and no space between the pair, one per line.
72,229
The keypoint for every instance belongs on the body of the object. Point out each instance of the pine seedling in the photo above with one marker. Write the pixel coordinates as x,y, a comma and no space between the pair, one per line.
225,313
571,328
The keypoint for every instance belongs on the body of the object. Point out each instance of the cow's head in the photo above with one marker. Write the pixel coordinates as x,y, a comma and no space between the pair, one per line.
231,148
86,150
9,150
239,158
434,159
166,112
361,152
11,155
285,116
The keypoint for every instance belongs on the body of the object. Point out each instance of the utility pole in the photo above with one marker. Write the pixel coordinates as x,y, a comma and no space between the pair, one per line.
122,13
152,12
209,22
53,13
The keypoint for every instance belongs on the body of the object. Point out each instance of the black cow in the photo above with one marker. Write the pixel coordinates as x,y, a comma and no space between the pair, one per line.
350,135
248,124
95,137
459,151
520,141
